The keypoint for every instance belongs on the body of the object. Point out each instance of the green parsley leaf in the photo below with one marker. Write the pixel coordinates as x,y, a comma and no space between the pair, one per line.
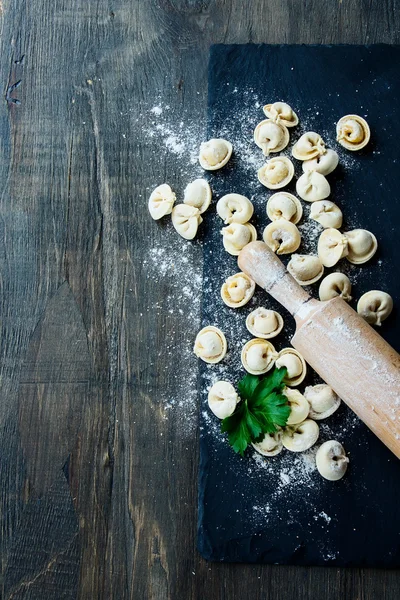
263,409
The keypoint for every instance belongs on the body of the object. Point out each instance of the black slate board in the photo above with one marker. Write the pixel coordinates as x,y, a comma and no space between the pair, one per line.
280,510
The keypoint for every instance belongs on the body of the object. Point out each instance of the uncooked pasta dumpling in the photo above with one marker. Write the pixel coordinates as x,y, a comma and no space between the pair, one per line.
258,356
271,136
236,236
305,269
210,345
362,246
215,153
299,407
322,399
198,193
276,173
331,460
283,205
264,323
280,112
324,164
270,445
335,284
295,365
222,399
282,236
327,213
308,146
312,186
332,246
375,306
353,132
237,290
161,201
235,208
186,220
300,437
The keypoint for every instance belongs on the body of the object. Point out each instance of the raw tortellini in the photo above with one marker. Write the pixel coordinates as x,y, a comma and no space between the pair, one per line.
236,236
270,445
210,345
353,132
295,365
282,236
258,356
214,154
161,201
305,269
264,323
235,208
362,245
327,213
312,186
186,220
283,205
299,407
300,437
198,194
222,399
308,146
237,290
322,399
280,112
375,306
276,173
331,460
335,284
332,246
271,136
324,163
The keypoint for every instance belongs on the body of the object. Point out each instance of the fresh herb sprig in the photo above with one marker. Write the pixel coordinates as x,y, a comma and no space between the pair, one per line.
262,410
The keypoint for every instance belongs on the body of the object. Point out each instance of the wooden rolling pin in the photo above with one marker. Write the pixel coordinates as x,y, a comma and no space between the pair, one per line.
340,346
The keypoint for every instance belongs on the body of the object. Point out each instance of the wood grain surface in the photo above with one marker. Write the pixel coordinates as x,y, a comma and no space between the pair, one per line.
98,481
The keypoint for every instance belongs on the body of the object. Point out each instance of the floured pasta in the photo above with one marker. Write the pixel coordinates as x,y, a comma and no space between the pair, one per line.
210,345
324,163
295,365
186,220
375,306
236,236
198,194
282,236
299,407
332,246
305,269
331,460
237,290
276,173
280,112
222,399
327,213
353,132
362,245
271,136
308,146
270,445
322,399
283,205
335,284
312,186
215,153
300,437
161,201
258,356
235,208
264,323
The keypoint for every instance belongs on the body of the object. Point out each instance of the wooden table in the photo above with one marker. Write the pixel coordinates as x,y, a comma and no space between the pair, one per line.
98,473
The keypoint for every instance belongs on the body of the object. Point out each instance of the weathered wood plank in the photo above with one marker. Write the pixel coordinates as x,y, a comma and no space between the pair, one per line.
76,164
